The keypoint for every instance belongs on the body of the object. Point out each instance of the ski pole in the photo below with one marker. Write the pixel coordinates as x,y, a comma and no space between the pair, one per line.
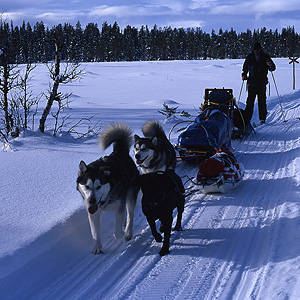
284,120
252,128
241,91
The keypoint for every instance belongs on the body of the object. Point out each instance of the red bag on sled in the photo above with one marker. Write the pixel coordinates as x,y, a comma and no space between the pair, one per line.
220,172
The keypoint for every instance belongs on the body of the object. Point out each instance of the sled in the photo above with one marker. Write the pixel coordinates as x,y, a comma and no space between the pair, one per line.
211,129
220,184
220,173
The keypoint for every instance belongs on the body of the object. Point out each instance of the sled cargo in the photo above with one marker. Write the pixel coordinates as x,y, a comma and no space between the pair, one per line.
220,173
211,129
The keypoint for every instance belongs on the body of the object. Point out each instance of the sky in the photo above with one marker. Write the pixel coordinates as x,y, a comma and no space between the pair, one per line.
206,14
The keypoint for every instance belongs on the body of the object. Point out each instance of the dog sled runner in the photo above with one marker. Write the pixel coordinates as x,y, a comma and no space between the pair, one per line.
220,173
211,129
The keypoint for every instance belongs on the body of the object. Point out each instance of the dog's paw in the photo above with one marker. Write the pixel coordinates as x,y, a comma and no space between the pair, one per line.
177,228
161,228
97,250
158,238
119,235
164,251
128,236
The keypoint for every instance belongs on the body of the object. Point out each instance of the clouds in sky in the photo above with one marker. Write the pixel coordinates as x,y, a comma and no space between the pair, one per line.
207,14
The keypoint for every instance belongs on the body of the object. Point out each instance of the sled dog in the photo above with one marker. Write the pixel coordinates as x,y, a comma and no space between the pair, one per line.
154,152
110,184
162,188
162,193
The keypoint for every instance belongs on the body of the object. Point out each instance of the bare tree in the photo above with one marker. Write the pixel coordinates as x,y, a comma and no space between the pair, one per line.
24,104
65,121
8,80
27,99
90,129
71,72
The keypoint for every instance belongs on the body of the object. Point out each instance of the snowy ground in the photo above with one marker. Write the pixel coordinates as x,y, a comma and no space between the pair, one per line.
241,245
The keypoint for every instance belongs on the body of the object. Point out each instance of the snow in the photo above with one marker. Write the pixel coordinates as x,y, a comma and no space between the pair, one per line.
241,245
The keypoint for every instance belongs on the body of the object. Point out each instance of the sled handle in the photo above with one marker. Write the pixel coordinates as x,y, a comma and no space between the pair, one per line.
184,121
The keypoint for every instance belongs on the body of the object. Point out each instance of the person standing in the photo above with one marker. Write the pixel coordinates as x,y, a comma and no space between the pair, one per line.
257,65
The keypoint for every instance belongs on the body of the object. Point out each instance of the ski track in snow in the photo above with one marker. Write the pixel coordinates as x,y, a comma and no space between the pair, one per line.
240,241
236,252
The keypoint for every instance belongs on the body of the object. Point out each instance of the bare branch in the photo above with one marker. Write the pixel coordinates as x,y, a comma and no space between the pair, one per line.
91,130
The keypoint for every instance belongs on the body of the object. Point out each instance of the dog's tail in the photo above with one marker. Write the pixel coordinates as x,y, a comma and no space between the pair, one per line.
119,134
152,128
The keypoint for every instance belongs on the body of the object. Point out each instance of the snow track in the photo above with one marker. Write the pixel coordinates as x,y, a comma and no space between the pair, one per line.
227,250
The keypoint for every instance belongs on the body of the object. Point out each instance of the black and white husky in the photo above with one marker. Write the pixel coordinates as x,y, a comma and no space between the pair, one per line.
110,184
162,188
154,152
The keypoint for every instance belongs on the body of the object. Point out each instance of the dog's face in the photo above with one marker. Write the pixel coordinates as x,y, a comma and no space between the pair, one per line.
144,150
93,185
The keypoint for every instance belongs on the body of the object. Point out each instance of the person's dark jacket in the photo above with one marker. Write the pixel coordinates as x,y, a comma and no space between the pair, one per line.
258,70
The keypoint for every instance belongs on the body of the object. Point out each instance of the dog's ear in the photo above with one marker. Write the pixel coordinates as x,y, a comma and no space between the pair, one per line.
136,138
154,141
82,167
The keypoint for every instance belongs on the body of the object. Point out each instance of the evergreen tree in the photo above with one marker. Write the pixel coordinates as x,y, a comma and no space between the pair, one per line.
153,43
68,40
77,44
39,41
245,41
91,40
115,42
104,46
35,44
26,42
181,44
130,44
143,46
233,44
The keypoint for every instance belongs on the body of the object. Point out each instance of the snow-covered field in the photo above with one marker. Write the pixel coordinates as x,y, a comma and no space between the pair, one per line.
241,245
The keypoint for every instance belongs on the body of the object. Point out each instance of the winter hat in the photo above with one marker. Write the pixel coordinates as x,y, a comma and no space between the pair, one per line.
256,46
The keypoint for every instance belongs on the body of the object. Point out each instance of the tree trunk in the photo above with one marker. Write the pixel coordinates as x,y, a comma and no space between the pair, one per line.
5,98
52,98
54,94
